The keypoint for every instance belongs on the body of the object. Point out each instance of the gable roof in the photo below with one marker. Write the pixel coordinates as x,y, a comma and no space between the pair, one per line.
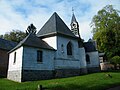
7,45
33,41
55,25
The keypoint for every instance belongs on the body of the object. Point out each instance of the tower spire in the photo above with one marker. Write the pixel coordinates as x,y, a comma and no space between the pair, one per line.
72,10
74,24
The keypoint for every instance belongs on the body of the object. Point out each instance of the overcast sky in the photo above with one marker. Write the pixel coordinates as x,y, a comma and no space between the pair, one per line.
18,14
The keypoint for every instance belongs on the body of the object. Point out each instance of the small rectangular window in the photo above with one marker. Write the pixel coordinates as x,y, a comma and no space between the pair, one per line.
88,59
39,56
14,57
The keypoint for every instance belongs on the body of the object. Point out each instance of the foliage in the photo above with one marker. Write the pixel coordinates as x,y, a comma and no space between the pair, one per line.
106,30
96,81
116,60
14,35
31,29
1,36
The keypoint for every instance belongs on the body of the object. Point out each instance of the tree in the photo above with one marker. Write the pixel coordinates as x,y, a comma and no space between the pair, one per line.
31,29
1,36
14,35
106,31
116,61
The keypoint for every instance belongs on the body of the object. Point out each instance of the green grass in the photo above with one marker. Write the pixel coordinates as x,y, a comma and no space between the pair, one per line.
95,81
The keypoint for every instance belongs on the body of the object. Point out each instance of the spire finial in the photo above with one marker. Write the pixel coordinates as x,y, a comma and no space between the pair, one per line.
72,10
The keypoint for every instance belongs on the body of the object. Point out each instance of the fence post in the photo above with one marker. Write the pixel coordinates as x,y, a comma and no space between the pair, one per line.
40,87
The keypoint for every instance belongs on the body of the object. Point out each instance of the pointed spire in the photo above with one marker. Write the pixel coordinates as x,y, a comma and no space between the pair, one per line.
72,10
74,25
73,16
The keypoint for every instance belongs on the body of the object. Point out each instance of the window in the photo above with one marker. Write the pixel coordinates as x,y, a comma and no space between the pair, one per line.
69,48
39,56
62,48
14,57
88,59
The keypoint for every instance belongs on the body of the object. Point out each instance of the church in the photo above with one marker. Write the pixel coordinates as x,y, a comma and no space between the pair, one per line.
54,52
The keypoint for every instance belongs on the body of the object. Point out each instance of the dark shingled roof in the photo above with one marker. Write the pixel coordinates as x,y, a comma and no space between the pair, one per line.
73,18
90,46
55,25
7,45
33,41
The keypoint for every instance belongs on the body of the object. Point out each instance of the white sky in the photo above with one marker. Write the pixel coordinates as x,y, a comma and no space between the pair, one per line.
18,14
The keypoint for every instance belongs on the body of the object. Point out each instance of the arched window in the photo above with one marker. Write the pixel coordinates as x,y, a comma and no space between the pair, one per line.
88,59
69,48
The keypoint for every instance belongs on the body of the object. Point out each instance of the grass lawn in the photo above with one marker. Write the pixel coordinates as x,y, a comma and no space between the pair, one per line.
95,81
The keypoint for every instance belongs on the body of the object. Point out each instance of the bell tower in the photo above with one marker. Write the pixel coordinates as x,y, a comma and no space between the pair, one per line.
74,25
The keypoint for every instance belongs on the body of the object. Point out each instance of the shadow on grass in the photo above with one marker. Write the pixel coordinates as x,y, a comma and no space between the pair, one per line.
81,87
116,71
2,77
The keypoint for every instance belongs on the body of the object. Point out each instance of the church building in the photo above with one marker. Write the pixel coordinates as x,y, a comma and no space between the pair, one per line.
55,51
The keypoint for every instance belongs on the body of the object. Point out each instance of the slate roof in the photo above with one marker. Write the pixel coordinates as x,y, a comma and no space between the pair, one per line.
73,18
55,25
90,46
7,45
33,41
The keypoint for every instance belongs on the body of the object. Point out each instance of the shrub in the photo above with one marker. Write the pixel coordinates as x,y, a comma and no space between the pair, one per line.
115,60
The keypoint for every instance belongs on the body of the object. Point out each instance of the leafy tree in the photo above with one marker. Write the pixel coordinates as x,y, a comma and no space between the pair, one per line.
106,31
31,29
14,35
1,36
116,61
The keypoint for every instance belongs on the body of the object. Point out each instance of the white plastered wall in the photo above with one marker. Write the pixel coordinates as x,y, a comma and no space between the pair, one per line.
18,64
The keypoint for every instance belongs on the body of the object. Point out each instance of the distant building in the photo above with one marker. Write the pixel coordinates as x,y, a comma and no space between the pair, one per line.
56,51
5,46
104,64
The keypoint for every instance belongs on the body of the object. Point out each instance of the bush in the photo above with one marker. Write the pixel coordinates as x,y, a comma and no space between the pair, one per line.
115,60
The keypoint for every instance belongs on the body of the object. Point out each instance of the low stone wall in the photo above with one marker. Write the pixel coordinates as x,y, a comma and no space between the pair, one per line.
106,66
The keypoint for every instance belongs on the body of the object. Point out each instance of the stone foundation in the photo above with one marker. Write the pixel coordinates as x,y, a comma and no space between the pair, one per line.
33,75
66,72
83,71
93,69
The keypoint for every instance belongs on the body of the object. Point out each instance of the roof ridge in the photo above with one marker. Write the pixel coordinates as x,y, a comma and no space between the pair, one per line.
33,41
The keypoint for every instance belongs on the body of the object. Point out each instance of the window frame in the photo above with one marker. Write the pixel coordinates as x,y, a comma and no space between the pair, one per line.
39,56
69,49
14,58
87,59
